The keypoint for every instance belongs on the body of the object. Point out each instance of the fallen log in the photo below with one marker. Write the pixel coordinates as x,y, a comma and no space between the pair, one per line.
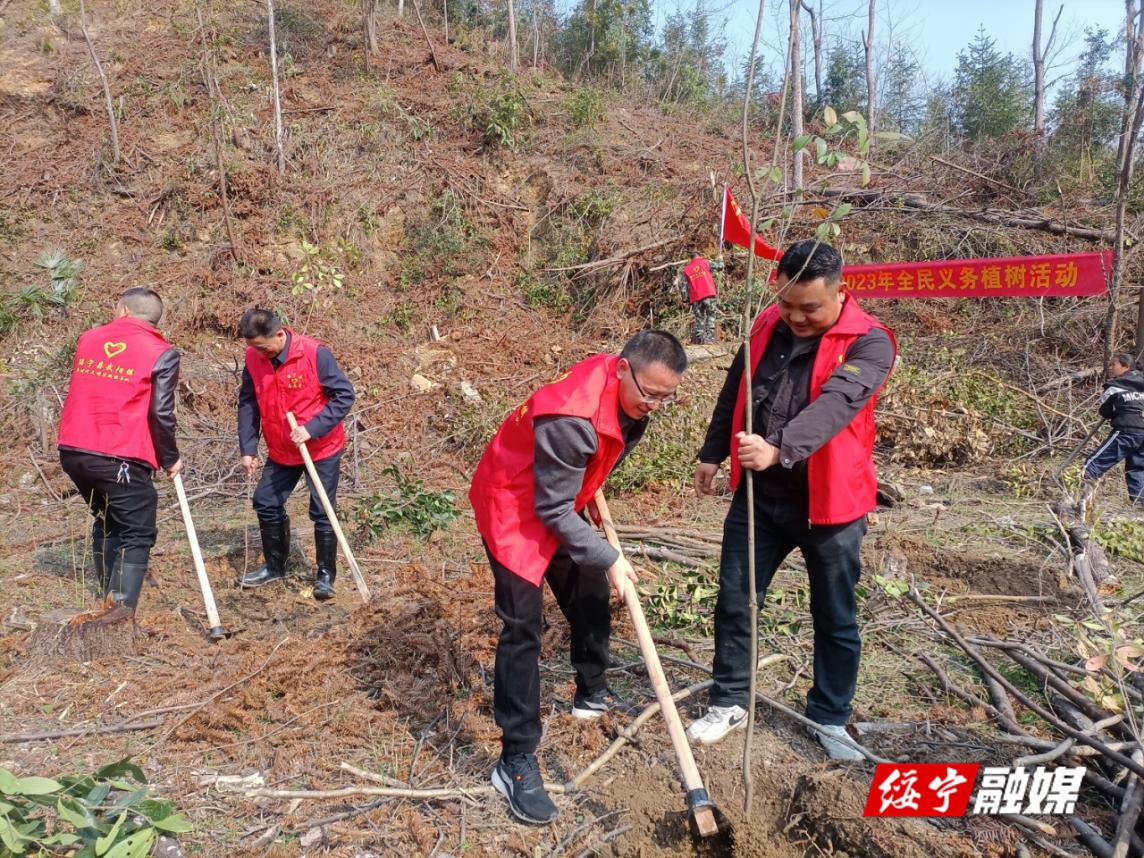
63,635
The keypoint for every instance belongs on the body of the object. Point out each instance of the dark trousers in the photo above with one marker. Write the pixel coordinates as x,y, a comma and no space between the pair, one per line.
833,565
278,481
1120,445
122,499
583,596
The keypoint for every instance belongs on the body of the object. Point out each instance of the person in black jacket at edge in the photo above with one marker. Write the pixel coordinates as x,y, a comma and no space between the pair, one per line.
1122,402
820,361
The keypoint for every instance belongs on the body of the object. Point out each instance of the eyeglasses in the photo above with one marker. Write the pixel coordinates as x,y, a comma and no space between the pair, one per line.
653,400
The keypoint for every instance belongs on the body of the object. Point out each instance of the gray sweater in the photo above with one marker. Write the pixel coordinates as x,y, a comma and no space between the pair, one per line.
563,447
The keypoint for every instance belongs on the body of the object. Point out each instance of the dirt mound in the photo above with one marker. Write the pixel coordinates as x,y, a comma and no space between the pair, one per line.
962,570
411,658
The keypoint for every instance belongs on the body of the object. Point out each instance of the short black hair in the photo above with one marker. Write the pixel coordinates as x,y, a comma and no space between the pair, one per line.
143,303
810,259
1125,359
652,346
259,323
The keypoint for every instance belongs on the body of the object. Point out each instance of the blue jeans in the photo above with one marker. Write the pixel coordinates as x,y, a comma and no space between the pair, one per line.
833,565
1120,445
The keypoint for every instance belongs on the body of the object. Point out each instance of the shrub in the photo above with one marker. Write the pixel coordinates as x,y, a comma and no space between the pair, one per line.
412,507
585,107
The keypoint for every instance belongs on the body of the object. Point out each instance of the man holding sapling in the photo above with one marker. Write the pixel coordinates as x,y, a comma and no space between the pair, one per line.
818,362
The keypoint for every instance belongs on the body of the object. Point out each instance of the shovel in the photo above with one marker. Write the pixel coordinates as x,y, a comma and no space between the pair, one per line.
355,570
700,808
217,631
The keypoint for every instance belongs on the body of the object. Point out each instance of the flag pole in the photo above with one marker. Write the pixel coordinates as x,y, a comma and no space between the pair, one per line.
723,217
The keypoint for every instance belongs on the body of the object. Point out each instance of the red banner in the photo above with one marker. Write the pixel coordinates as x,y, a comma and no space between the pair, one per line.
1012,277
737,230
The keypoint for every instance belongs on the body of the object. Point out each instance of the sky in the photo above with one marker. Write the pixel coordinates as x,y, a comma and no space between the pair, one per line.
938,29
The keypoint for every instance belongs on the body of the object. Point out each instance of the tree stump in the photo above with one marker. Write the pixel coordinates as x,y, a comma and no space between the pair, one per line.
63,635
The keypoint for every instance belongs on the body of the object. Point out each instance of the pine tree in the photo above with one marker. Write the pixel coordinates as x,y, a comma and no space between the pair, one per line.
992,91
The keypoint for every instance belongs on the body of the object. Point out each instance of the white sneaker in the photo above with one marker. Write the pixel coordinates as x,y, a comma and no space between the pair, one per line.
829,736
717,723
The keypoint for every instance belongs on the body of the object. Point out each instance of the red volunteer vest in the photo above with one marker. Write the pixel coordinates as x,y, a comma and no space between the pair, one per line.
700,283
502,492
840,474
294,386
109,398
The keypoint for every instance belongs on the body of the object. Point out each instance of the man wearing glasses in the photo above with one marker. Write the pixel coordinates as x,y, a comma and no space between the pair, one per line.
535,480
818,362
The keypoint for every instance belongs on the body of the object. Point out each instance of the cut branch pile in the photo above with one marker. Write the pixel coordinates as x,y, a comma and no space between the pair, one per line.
1106,743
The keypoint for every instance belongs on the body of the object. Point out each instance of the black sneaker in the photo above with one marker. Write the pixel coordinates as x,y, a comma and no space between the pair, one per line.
595,705
518,779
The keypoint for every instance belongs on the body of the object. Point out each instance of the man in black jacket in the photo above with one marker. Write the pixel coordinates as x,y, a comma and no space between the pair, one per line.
1122,402
819,361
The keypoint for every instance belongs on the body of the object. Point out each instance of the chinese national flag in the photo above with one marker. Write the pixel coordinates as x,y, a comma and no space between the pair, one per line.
737,231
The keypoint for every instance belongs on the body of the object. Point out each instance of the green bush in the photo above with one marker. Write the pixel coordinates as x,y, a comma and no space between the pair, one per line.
412,507
585,107
501,119
101,814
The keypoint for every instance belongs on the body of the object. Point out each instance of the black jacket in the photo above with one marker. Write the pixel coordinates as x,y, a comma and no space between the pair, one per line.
1122,401
783,412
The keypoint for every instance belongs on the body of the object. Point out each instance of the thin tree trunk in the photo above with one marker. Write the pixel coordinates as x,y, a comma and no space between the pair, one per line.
1129,131
535,40
400,8
274,83
445,18
871,81
752,594
369,29
210,79
796,106
1040,59
106,88
816,38
512,61
425,33
54,8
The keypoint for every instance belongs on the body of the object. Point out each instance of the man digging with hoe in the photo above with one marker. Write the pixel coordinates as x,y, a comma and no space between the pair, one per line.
535,480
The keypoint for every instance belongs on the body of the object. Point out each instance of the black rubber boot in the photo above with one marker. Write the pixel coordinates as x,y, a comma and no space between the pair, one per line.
105,551
127,582
326,552
276,549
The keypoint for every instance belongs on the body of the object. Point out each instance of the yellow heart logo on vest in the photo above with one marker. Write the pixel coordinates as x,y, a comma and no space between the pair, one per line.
113,349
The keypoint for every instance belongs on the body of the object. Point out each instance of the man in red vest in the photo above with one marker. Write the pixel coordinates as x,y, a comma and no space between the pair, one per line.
286,371
116,430
818,362
697,283
534,481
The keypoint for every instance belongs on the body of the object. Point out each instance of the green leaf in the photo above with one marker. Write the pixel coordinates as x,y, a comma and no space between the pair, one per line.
37,786
829,116
105,842
132,798
11,838
135,845
75,813
176,823
820,147
865,174
841,212
801,142
890,135
854,116
7,782
776,174
61,838
120,768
